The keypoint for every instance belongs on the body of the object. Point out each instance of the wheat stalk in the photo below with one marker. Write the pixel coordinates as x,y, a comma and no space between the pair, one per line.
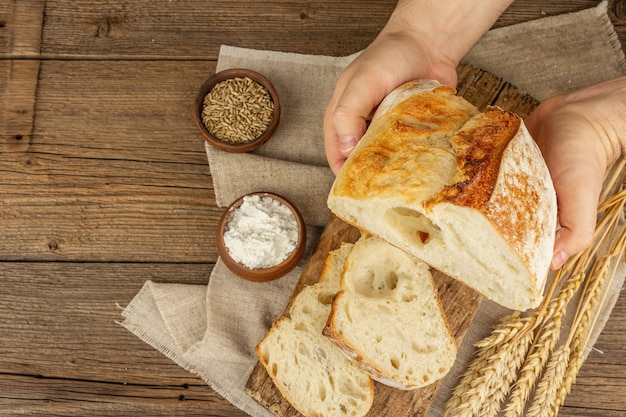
611,238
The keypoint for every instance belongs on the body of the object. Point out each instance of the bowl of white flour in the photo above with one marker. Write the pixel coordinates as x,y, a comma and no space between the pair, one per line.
261,237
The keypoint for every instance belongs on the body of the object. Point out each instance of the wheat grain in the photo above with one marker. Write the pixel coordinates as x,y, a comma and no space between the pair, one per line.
237,110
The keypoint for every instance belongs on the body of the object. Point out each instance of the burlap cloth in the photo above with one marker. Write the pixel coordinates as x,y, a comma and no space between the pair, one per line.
211,330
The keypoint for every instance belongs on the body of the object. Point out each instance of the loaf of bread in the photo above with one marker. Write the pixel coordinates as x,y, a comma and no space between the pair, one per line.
468,192
308,369
387,317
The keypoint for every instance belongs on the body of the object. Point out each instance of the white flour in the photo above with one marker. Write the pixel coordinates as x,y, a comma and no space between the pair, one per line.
261,233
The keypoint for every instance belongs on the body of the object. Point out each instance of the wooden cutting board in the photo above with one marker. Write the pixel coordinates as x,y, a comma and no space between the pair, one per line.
460,303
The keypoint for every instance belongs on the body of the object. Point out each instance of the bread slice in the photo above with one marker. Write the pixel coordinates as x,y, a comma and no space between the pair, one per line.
308,369
467,192
388,318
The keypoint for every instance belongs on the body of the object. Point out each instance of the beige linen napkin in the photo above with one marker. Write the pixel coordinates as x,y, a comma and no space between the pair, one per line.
198,327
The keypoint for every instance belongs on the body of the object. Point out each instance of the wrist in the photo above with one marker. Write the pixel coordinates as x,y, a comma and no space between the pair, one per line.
604,105
450,27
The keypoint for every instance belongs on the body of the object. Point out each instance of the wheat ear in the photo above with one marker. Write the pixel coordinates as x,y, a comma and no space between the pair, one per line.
532,368
483,359
476,365
490,374
550,383
510,363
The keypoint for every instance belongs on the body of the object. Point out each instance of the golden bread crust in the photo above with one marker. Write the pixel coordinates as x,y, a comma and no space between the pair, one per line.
417,125
479,149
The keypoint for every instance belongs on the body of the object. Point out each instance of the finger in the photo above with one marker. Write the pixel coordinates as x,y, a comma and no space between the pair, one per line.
345,120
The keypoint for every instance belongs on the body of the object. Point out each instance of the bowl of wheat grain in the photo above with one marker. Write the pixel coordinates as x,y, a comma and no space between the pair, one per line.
237,110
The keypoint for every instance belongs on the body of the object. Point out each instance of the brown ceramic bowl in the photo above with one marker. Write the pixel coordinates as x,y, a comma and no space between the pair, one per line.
223,76
266,274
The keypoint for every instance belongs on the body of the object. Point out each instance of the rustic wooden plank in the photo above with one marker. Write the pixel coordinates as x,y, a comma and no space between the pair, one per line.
20,28
601,393
196,29
18,85
116,170
145,228
121,110
483,89
20,37
61,320
523,11
36,396
589,412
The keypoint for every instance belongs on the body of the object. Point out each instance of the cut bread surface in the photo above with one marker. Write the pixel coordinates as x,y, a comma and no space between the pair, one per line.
468,192
308,369
388,318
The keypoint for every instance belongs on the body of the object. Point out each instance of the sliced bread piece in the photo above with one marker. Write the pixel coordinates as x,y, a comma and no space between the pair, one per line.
466,191
309,370
388,318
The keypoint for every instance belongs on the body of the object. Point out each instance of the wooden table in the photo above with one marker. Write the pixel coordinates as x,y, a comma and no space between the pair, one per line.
104,184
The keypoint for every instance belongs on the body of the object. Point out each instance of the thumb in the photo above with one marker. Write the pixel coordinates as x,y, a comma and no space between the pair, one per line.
345,121
354,108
